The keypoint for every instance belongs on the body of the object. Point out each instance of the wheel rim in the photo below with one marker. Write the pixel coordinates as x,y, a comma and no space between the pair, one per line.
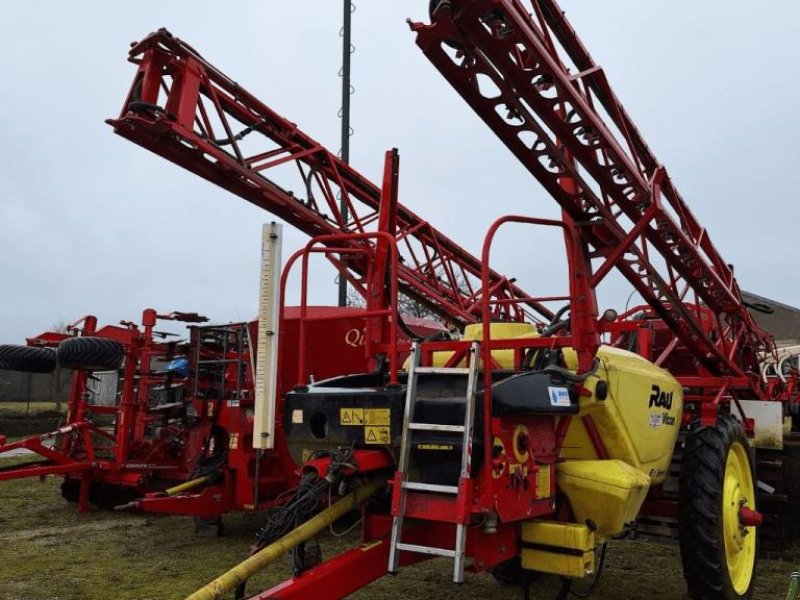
740,541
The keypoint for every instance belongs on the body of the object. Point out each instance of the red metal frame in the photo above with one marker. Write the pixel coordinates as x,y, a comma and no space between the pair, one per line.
513,496
334,247
179,103
585,329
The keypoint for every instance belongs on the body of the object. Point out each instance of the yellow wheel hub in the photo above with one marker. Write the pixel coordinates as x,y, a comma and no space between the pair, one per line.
740,542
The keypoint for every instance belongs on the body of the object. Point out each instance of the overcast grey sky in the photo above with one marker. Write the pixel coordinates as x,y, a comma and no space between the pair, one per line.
90,223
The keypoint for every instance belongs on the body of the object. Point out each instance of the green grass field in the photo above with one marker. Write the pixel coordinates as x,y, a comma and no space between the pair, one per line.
49,552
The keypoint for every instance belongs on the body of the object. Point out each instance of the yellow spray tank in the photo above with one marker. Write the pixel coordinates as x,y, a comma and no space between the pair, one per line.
498,331
635,408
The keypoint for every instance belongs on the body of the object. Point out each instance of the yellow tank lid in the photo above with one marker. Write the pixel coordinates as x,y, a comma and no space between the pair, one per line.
500,331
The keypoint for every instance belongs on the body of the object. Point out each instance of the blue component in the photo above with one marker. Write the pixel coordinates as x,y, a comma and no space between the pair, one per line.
179,366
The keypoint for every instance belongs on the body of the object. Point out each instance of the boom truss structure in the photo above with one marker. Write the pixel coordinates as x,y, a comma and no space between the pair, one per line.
186,110
523,69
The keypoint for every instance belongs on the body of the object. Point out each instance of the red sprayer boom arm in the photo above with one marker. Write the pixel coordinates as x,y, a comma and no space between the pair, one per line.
187,111
525,72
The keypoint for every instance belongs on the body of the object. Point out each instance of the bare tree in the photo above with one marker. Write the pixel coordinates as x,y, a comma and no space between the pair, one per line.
405,305
59,326
355,299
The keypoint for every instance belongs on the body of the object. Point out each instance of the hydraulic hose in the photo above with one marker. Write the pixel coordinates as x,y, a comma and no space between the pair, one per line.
187,485
246,569
794,587
181,487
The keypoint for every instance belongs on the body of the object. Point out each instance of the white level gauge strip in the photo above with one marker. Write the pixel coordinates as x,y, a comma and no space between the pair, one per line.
267,347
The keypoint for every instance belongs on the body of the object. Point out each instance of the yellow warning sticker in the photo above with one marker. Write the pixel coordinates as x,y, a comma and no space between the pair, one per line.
377,416
351,416
543,481
297,415
377,435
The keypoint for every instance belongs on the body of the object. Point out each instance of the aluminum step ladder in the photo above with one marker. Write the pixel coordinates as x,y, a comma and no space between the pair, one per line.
456,490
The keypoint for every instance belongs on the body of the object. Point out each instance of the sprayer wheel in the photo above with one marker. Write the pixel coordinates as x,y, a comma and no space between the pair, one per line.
91,354
718,552
27,359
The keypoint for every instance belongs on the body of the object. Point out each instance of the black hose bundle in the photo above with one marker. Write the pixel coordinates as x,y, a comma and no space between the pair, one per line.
296,505
214,456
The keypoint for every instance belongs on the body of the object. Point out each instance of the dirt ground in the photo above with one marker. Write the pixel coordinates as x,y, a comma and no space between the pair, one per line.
49,552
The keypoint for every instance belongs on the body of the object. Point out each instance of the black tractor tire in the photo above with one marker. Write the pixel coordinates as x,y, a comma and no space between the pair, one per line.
102,495
91,354
108,496
701,525
70,489
27,359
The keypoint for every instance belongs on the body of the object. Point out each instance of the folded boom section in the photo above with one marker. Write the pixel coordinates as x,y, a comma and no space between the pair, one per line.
525,72
185,110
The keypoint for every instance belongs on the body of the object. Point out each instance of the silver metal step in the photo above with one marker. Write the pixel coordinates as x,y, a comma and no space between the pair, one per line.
426,550
418,486
442,371
436,427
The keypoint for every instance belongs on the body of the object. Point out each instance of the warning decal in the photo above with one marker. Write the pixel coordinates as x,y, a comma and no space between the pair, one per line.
377,435
351,416
377,416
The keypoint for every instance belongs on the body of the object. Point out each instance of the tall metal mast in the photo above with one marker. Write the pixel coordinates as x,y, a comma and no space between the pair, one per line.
347,50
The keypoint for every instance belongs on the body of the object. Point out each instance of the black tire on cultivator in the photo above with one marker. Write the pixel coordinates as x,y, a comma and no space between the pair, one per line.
102,495
718,553
90,354
27,359
70,490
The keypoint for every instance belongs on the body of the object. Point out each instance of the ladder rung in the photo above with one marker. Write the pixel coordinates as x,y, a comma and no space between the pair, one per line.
436,427
427,550
419,486
442,370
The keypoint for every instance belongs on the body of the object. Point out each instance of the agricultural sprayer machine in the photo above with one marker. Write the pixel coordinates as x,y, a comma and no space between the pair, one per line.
549,428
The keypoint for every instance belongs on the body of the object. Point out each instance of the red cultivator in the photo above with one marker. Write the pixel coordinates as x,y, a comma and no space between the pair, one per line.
166,426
